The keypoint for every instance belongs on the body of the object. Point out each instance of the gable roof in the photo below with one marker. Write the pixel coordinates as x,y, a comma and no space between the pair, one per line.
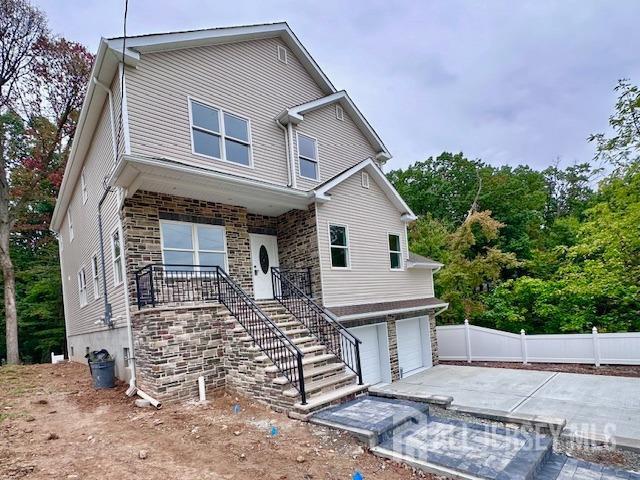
296,114
162,42
322,191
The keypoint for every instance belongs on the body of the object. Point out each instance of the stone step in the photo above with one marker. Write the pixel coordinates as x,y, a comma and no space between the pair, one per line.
323,385
311,372
307,351
325,399
316,360
288,323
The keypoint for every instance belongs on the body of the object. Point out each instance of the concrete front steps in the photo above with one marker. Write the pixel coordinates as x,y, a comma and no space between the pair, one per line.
327,380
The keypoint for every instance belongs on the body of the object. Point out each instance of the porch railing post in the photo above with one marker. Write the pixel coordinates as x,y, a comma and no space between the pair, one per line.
358,366
303,392
152,286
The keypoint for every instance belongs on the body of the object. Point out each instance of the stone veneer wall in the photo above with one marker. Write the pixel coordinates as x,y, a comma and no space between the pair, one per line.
298,244
176,345
393,339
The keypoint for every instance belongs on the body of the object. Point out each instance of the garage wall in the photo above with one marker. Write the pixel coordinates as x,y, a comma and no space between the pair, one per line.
391,338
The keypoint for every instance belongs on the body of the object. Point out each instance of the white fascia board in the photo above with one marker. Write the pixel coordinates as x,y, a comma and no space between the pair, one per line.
134,160
215,36
322,194
296,115
80,143
383,313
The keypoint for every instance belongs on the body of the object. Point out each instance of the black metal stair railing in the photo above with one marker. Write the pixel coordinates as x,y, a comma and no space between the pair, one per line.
163,284
320,322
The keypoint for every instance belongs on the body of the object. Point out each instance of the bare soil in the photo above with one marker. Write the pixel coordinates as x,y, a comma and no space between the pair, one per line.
613,370
54,424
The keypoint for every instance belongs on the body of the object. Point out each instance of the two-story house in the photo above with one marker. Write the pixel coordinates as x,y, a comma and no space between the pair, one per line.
224,214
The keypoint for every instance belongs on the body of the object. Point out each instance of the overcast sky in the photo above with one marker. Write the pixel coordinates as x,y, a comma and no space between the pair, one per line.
506,81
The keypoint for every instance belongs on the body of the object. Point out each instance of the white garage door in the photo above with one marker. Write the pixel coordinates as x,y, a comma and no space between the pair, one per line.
414,344
369,353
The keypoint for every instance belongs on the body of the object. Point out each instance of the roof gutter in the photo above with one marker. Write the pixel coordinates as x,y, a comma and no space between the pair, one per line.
65,191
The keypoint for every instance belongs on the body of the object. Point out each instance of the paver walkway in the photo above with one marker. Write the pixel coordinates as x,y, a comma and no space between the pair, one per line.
405,431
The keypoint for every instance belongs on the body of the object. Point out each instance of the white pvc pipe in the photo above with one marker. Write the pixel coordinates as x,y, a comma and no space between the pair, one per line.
149,399
201,390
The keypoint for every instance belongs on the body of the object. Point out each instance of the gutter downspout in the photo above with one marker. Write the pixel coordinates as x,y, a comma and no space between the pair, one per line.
108,314
289,154
294,183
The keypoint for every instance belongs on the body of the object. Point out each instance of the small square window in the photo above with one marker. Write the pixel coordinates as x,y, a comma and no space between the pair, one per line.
282,54
365,180
339,112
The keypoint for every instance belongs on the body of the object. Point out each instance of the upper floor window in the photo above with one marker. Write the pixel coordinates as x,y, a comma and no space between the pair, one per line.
116,253
339,112
308,157
365,180
395,252
339,244
219,134
82,288
282,54
95,274
187,244
70,222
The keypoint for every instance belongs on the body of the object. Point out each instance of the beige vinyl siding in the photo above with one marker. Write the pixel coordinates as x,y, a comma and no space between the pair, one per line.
370,217
77,253
340,144
243,78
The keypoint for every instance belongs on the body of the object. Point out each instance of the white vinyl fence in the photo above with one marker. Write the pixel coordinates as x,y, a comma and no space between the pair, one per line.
469,342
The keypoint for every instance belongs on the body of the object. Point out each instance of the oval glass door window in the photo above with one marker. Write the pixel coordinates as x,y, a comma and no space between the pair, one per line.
264,259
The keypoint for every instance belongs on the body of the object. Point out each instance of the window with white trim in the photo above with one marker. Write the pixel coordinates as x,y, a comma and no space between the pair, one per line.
82,288
95,274
83,187
193,245
339,243
395,252
219,134
70,222
339,112
116,255
308,157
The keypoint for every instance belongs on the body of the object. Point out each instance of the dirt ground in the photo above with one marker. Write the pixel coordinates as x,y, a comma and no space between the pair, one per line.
613,370
54,424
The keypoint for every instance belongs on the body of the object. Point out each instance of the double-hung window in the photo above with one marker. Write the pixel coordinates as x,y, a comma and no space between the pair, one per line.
116,253
95,273
82,287
186,246
219,134
83,187
339,243
395,252
308,157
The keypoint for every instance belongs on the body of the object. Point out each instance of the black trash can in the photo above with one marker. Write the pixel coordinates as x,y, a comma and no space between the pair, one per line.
102,368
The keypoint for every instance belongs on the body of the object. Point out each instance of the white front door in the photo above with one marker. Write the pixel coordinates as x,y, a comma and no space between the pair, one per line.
264,255
414,344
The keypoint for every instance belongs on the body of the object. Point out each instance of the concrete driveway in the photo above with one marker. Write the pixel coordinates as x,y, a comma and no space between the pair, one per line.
593,405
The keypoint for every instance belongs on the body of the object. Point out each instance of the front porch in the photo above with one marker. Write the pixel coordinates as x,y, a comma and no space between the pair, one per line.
173,242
